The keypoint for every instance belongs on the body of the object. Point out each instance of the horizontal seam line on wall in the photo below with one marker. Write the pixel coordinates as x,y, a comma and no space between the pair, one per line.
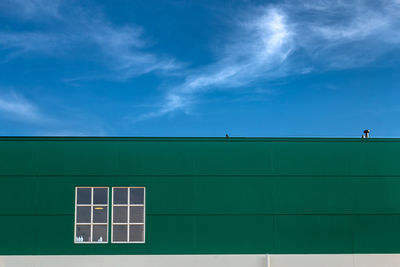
203,175
277,214
224,214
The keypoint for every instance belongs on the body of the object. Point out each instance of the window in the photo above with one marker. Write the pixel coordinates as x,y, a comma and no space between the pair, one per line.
91,215
128,215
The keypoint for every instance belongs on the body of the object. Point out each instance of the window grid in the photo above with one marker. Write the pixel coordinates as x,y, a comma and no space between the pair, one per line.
91,224
128,205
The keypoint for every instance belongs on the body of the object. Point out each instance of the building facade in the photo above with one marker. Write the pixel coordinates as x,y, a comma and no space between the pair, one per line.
199,201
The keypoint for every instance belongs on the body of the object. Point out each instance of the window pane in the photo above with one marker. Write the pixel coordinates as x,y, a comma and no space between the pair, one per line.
99,214
136,214
100,196
120,195
120,233
137,195
82,233
83,214
99,233
120,214
136,233
84,195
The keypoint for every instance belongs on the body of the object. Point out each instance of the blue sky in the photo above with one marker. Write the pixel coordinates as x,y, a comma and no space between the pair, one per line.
326,68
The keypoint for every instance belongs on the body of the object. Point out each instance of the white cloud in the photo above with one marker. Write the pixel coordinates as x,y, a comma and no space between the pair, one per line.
122,49
32,9
262,45
294,38
16,107
344,34
63,120
20,44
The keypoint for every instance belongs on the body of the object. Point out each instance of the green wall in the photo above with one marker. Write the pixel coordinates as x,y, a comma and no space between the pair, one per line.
207,195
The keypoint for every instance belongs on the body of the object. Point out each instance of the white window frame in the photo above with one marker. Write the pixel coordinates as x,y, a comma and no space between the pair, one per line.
128,205
91,205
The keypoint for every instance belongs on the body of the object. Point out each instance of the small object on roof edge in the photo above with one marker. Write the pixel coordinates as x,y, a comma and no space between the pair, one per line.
366,134
226,135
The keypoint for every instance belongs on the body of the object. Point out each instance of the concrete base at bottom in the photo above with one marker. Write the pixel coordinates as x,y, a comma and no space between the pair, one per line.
335,260
251,260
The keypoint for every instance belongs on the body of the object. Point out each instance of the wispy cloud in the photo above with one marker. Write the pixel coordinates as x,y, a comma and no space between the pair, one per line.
32,9
62,121
121,49
262,46
343,34
28,43
124,49
289,38
293,38
16,107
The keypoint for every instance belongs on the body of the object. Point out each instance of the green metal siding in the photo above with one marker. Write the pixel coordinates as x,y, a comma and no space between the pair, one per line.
208,195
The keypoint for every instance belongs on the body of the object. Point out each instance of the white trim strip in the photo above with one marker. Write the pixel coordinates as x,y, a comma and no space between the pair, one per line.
135,260
255,260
